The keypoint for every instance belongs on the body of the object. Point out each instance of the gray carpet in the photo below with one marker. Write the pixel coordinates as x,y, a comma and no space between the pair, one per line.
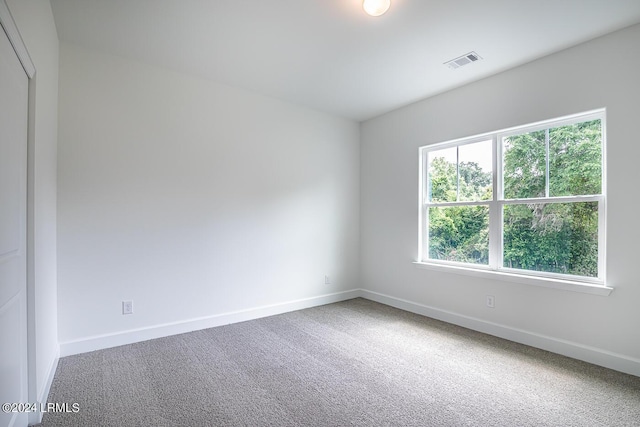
354,363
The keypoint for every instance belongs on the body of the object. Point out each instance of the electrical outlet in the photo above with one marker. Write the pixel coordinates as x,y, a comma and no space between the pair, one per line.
491,301
127,307
327,280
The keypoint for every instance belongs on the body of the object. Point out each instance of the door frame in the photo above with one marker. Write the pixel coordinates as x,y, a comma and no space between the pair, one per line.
13,34
10,27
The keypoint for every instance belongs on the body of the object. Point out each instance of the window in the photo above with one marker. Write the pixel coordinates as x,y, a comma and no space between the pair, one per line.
528,200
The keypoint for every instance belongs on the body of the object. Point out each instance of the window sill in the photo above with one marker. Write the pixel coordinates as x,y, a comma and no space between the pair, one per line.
565,285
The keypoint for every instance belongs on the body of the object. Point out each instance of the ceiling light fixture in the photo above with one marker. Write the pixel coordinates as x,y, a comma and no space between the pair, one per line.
376,7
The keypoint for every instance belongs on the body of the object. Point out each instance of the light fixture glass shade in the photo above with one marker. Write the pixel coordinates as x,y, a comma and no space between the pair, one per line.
376,7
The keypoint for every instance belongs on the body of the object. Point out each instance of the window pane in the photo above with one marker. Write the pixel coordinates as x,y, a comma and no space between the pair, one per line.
461,173
442,182
476,171
552,237
525,165
575,159
459,233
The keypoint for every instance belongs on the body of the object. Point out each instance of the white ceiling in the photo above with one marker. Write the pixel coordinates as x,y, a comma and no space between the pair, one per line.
329,55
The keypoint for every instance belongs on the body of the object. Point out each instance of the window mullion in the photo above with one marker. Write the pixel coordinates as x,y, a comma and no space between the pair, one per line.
546,153
495,228
457,173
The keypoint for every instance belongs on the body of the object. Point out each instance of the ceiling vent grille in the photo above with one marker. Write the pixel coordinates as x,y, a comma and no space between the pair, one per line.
463,60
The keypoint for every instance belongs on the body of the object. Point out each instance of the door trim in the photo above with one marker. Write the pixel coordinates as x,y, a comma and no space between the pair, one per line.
10,27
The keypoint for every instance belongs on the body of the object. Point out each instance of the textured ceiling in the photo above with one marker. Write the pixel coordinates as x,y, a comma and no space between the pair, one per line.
329,55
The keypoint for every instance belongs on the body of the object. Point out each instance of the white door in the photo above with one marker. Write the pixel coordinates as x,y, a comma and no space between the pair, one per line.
13,235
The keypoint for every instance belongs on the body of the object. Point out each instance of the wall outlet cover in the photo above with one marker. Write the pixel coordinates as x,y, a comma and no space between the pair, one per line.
127,307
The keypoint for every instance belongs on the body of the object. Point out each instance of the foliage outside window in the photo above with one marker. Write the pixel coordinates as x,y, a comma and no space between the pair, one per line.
528,200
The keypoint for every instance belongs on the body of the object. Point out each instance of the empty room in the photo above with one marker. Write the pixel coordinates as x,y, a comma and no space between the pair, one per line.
319,213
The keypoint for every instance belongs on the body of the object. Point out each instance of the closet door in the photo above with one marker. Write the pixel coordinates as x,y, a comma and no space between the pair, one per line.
13,226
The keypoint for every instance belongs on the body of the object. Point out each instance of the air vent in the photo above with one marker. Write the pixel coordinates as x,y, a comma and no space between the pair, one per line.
463,60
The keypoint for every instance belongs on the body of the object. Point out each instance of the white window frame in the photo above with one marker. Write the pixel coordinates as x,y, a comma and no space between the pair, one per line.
495,269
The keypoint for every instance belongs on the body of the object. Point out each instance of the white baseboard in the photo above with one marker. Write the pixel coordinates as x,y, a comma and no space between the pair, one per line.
43,393
574,350
99,342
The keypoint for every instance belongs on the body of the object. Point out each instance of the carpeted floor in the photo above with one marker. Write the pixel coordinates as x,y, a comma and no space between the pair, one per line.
354,363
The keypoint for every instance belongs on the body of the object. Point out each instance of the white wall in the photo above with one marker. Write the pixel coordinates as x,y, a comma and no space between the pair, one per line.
193,199
600,73
36,25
